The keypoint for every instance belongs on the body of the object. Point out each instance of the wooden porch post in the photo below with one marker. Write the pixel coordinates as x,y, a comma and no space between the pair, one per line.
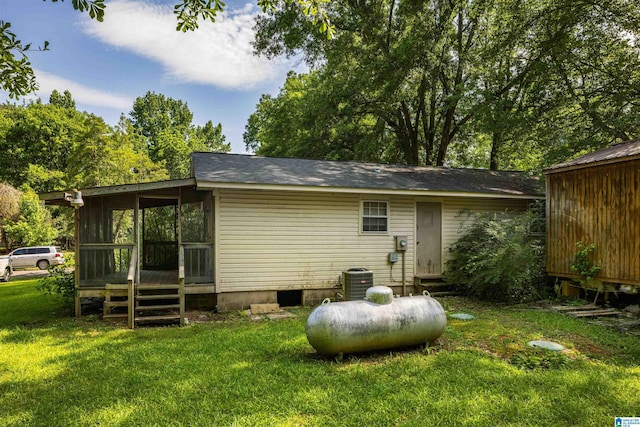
78,307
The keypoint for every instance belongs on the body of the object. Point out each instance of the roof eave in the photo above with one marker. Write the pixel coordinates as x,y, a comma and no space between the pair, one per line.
57,197
206,185
568,168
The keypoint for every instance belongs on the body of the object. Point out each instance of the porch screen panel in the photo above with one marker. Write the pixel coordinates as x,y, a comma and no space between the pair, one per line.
196,224
106,240
160,245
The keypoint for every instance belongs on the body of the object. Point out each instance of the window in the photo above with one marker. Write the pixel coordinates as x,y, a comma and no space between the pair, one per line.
375,217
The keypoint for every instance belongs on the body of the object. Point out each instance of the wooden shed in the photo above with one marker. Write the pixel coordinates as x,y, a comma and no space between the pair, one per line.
595,199
248,229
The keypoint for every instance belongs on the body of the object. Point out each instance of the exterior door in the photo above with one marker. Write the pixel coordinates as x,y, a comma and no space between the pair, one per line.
428,239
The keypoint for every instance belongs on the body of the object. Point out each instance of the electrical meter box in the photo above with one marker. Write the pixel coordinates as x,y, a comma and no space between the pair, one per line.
401,243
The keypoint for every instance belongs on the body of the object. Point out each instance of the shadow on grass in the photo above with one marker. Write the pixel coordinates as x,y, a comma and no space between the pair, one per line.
21,304
63,372
266,374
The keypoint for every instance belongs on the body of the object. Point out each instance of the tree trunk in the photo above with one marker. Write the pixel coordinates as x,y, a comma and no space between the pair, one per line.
496,141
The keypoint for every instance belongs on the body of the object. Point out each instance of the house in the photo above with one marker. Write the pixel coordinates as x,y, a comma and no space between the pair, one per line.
595,199
247,229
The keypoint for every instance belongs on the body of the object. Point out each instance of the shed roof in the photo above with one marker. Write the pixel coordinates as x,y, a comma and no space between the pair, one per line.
623,151
219,169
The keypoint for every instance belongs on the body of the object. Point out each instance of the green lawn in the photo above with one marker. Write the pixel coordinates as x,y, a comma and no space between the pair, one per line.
56,371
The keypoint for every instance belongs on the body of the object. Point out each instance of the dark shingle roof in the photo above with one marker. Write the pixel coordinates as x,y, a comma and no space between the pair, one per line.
624,150
246,169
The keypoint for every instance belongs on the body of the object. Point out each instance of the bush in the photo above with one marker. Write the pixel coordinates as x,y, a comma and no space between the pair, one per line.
58,282
498,258
582,263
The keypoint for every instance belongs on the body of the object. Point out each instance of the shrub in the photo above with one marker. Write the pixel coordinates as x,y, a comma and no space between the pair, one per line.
582,263
499,258
58,282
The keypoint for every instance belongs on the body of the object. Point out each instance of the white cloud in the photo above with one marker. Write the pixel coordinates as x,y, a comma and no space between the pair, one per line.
218,54
80,93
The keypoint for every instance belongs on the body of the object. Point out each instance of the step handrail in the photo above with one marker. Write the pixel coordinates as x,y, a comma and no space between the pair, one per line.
181,278
131,279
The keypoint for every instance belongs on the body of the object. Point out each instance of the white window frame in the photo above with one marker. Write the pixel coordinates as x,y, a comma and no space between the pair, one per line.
363,216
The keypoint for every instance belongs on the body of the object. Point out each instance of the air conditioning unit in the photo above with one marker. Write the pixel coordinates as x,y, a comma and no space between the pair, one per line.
355,282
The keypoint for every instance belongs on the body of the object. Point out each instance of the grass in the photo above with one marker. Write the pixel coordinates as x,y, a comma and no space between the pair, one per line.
55,370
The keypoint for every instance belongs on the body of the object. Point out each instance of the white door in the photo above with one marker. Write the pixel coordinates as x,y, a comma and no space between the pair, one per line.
428,239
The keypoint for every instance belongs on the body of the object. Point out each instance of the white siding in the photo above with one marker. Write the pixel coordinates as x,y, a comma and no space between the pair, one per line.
292,240
278,240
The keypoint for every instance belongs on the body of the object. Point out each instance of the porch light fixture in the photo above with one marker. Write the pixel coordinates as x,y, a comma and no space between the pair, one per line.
74,199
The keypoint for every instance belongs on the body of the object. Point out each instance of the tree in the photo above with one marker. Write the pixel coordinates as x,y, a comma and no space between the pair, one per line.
109,156
9,207
170,136
455,75
411,65
210,137
65,100
38,134
306,120
33,226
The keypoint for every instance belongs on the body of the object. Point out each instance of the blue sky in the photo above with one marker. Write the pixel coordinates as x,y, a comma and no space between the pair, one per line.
136,49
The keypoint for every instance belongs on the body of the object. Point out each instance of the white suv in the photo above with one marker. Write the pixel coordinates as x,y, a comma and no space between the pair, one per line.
5,268
36,256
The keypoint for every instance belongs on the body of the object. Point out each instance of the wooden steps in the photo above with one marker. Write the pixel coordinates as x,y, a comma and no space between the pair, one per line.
157,297
152,303
115,316
150,287
587,310
158,307
158,303
436,287
444,294
157,318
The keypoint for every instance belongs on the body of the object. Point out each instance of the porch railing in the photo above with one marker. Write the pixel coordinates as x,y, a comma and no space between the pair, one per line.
102,263
131,282
198,262
181,283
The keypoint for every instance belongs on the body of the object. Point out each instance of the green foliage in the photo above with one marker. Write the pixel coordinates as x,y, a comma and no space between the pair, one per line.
33,226
9,208
59,281
171,137
38,134
64,100
583,264
9,202
497,257
16,74
189,11
512,84
94,7
540,359
304,121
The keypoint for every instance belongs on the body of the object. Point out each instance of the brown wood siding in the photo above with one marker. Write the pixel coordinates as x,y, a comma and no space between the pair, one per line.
599,205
